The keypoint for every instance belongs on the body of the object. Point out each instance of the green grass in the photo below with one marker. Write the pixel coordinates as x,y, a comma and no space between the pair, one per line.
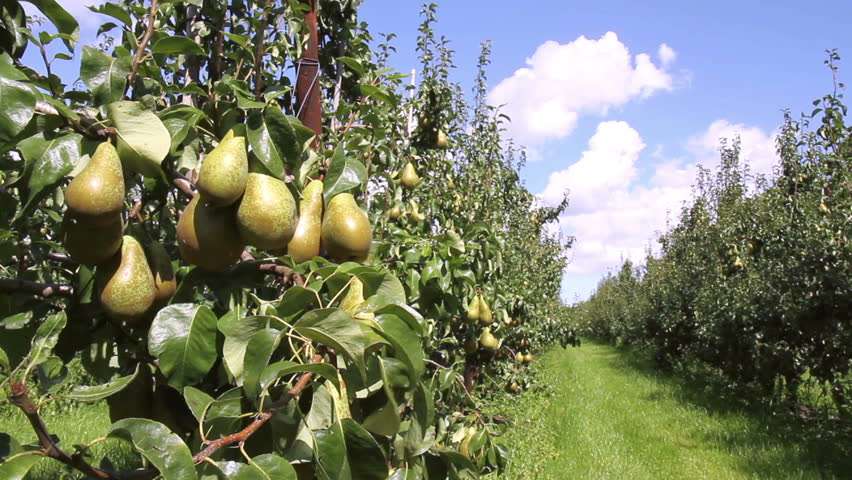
611,415
73,424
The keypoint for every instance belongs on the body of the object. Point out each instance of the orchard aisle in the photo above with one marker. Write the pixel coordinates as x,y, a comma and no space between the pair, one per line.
612,416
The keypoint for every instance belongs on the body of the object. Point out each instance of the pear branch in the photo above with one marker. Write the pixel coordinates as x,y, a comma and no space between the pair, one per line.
45,290
85,124
140,51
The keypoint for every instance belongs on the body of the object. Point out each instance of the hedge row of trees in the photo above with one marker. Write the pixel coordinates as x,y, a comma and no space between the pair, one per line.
323,368
756,277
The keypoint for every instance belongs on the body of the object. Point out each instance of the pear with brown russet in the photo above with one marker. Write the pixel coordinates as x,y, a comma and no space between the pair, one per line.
96,194
346,231
125,283
224,173
165,283
267,216
305,243
207,236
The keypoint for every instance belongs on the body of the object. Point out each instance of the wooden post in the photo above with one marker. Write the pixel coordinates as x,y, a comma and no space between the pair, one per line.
307,82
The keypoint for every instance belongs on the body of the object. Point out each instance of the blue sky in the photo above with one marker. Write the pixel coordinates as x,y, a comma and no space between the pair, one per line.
618,101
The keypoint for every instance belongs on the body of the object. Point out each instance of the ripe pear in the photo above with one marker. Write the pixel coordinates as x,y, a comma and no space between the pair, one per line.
305,243
346,231
96,194
224,173
528,357
512,387
207,236
267,215
91,244
395,212
473,309
519,357
410,179
125,283
488,340
441,141
165,283
485,315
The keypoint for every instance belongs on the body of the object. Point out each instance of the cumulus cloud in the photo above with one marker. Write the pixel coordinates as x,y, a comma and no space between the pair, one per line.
564,81
667,55
614,213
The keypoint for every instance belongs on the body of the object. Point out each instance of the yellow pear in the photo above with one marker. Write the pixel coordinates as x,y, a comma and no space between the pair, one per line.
125,283
305,243
353,300
488,340
442,141
96,194
473,309
207,236
519,357
346,231
267,214
395,212
485,315
224,173
410,179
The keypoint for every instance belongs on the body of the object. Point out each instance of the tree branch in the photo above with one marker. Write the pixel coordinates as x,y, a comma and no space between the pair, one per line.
140,51
86,125
273,268
247,432
45,290
258,58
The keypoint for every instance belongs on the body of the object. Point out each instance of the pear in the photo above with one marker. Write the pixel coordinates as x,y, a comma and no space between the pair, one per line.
464,447
346,231
471,346
519,357
305,243
473,309
485,315
207,236
410,179
441,141
415,212
353,300
528,357
267,214
512,387
165,283
126,285
395,212
488,340
91,244
96,194
224,173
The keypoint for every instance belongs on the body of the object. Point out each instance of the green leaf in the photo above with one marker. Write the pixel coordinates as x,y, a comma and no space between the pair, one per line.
330,447
352,63
177,45
404,474
344,174
183,337
143,141
366,458
4,362
295,300
417,441
17,106
63,20
165,450
338,330
105,76
52,374
45,338
238,332
49,157
386,420
278,369
274,467
17,466
273,140
406,344
92,394
258,352
380,94
231,470
197,401
113,11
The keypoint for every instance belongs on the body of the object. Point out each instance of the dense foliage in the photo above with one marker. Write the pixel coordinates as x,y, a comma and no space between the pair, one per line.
382,362
756,277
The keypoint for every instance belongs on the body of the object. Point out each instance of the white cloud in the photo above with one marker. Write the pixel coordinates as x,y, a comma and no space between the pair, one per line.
756,146
615,214
667,55
564,81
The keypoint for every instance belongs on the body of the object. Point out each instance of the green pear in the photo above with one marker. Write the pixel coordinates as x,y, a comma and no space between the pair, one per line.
415,212
485,315
395,212
125,283
473,309
346,231
96,194
267,214
464,447
207,236
410,179
471,346
224,173
353,300
488,340
165,283
91,244
519,357
442,140
305,243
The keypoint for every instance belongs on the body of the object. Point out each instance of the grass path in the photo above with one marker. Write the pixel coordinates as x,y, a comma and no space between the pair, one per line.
612,416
